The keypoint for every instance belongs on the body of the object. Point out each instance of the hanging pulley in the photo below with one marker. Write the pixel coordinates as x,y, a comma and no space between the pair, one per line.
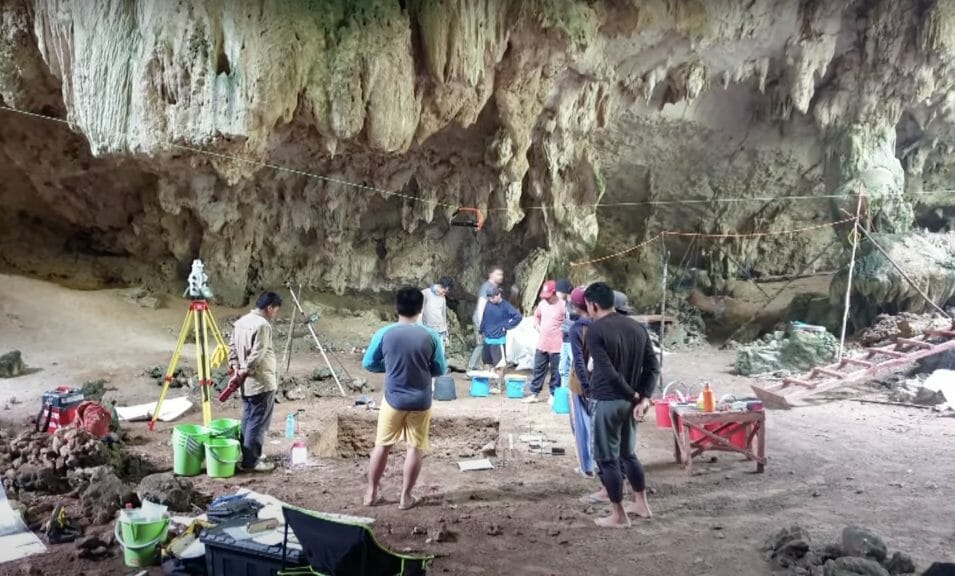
468,218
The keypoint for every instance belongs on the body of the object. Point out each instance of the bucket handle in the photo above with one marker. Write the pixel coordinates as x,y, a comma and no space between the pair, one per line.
681,396
215,457
152,542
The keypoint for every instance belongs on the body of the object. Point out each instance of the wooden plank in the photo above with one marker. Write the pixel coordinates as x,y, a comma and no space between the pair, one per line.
829,372
889,353
914,343
857,362
942,333
798,382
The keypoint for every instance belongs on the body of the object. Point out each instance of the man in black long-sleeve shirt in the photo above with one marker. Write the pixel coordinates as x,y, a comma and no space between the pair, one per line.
624,373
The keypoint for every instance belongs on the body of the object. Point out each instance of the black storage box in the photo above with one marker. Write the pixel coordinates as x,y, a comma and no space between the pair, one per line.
228,557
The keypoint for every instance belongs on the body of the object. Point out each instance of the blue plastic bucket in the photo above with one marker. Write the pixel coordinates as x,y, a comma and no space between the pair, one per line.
562,400
480,387
515,386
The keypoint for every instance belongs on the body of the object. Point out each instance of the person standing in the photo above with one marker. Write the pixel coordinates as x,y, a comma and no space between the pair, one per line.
624,374
252,357
494,280
564,288
580,384
409,355
549,321
434,314
499,317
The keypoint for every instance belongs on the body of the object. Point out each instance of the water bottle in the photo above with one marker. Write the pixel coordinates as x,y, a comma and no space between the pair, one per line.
290,426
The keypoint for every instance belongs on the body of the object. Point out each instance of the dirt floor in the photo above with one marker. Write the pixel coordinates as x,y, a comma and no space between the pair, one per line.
886,468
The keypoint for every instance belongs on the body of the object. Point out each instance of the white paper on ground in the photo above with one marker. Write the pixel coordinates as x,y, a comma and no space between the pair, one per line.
473,465
172,409
942,381
16,541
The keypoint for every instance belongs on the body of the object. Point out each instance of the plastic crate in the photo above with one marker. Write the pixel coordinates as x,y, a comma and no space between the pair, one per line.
230,557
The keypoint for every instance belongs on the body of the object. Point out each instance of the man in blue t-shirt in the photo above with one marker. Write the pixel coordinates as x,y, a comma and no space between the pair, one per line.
499,317
409,355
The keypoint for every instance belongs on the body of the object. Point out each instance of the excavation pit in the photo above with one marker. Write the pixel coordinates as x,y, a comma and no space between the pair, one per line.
353,436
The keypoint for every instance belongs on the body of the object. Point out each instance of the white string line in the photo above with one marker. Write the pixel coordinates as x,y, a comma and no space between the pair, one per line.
388,193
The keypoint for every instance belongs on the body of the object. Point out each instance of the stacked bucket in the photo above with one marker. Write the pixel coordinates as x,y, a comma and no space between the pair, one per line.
216,446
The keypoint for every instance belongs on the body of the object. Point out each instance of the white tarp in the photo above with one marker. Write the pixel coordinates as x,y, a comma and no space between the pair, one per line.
172,408
521,344
942,381
16,540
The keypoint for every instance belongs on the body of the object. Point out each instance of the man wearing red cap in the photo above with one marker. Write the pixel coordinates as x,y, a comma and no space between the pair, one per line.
549,320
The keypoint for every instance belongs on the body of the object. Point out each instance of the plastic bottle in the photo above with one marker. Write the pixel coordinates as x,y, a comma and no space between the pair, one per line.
299,453
290,426
709,399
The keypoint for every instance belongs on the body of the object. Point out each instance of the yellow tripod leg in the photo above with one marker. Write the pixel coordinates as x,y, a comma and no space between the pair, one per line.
206,383
171,369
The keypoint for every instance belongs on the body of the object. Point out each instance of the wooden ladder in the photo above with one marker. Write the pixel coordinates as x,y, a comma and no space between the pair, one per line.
851,370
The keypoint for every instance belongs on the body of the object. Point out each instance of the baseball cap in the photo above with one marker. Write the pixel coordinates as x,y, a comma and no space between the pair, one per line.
621,303
549,289
493,292
565,286
577,297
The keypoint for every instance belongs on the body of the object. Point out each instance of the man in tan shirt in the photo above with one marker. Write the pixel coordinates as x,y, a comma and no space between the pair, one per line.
252,356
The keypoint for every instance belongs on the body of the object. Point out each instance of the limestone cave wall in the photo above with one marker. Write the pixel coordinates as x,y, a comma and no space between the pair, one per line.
579,128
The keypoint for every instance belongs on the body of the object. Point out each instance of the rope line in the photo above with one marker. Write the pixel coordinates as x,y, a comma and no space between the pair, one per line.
697,235
389,193
617,254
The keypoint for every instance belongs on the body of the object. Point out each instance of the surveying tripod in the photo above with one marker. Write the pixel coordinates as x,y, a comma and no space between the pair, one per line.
199,318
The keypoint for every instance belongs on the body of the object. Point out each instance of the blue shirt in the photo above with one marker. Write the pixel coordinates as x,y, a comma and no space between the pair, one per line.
409,355
498,319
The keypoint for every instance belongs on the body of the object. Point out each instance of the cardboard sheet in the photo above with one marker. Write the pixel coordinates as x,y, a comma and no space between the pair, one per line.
16,540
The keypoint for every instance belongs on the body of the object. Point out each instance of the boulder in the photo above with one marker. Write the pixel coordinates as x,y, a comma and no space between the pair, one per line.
788,546
11,365
104,495
900,563
168,490
851,566
863,543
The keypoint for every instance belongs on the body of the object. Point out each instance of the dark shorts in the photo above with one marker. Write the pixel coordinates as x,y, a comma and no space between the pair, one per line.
614,429
493,355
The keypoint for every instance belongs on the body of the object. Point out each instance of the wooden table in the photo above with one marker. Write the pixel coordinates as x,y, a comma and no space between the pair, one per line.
714,430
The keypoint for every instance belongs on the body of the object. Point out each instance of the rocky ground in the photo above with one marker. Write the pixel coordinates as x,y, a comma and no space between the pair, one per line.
884,468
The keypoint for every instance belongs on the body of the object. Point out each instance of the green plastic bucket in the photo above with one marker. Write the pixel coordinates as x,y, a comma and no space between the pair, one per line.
188,449
141,540
225,428
222,454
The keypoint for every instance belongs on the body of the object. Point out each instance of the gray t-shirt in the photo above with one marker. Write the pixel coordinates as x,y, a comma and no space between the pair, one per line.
434,315
482,293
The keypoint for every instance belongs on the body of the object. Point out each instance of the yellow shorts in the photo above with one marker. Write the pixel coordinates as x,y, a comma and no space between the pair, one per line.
394,425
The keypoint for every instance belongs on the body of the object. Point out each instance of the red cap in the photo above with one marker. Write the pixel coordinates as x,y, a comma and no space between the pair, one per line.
549,289
577,297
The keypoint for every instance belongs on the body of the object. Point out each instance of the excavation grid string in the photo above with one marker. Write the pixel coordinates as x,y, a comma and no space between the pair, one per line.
665,233
410,198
